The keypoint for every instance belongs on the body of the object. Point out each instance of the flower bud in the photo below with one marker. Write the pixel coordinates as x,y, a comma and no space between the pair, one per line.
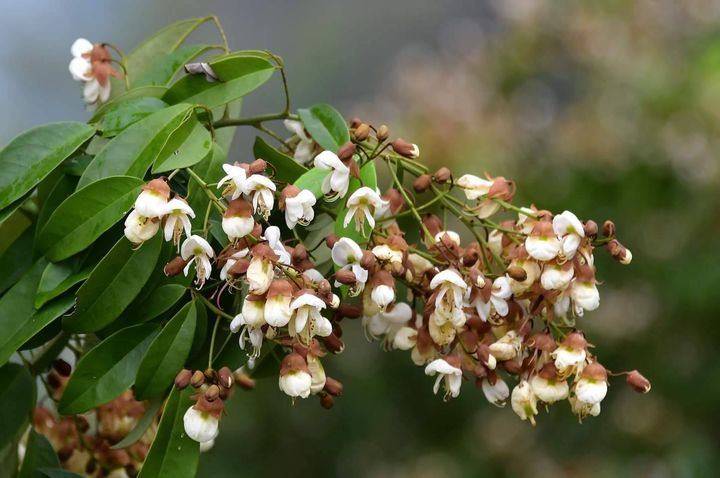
225,377
330,240
333,387
609,229
351,311
326,401
638,382
403,148
258,166
619,252
212,393
175,266
367,261
383,132
355,122
333,343
243,380
197,379
442,175
422,183
182,379
345,276
62,367
346,151
295,379
361,132
517,273
591,228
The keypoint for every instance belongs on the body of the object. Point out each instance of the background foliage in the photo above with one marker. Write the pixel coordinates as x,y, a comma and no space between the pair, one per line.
611,108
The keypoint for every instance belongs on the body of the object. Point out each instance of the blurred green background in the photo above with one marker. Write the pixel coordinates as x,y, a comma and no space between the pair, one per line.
610,109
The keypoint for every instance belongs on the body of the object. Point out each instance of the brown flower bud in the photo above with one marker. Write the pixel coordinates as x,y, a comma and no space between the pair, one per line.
54,381
212,393
383,132
595,371
324,286
544,342
330,240
403,148
351,311
345,276
244,381
575,341
355,122
361,132
591,228
326,401
346,151
619,252
422,183
182,379
225,377
511,366
299,253
609,229
333,343
368,259
397,269
469,340
197,379
442,175
638,382
471,254
333,387
517,273
258,166
175,266
65,453
432,223
62,367
549,371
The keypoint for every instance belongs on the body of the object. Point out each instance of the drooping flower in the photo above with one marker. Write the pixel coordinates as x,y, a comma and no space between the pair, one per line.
92,65
262,192
449,372
524,401
361,206
272,236
177,220
153,200
261,270
307,320
583,290
295,379
383,289
570,354
235,177
231,261
592,386
506,347
201,421
496,393
473,186
277,305
571,232
387,322
298,206
336,184
317,373
304,148
448,288
556,276
542,243
139,229
548,387
237,221
197,250
499,295
347,255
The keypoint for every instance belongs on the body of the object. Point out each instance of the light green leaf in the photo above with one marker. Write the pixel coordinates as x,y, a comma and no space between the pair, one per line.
142,425
133,151
121,115
286,168
39,453
166,355
56,279
368,175
239,75
186,148
17,400
107,370
141,92
224,136
173,454
164,68
84,216
326,126
113,285
32,155
19,320
312,181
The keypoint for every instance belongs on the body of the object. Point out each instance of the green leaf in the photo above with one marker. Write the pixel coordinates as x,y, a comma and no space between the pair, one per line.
12,208
119,116
173,454
32,155
164,68
368,175
312,181
58,473
188,147
286,168
142,61
107,370
39,453
141,92
201,328
17,400
19,320
113,284
56,279
166,354
239,75
224,136
16,259
142,425
326,126
159,302
84,216
61,190
133,151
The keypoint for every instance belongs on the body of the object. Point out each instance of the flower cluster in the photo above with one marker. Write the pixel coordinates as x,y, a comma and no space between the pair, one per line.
92,65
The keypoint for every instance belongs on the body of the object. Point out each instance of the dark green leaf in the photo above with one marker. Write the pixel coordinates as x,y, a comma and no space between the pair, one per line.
10,209
85,215
368,176
133,151
312,181
142,425
163,69
57,278
107,370
166,355
47,333
16,259
58,473
239,75
32,155
326,126
141,92
39,453
113,284
173,454
61,190
200,328
190,148
286,168
121,115
17,400
19,320
160,301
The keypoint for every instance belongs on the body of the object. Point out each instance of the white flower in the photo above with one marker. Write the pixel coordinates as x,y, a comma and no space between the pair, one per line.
361,206
549,391
236,226
317,373
524,401
387,322
299,209
206,446
307,320
196,249
304,148
139,229
385,253
570,229
262,191
556,276
272,236
542,244
153,200
296,383
449,299
259,275
405,338
585,294
80,67
590,391
583,409
253,312
506,347
336,184
231,261
199,425
235,177
442,331
176,219
570,354
496,394
473,186
383,295
499,295
532,272
277,305
346,254
447,373
452,235
96,83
